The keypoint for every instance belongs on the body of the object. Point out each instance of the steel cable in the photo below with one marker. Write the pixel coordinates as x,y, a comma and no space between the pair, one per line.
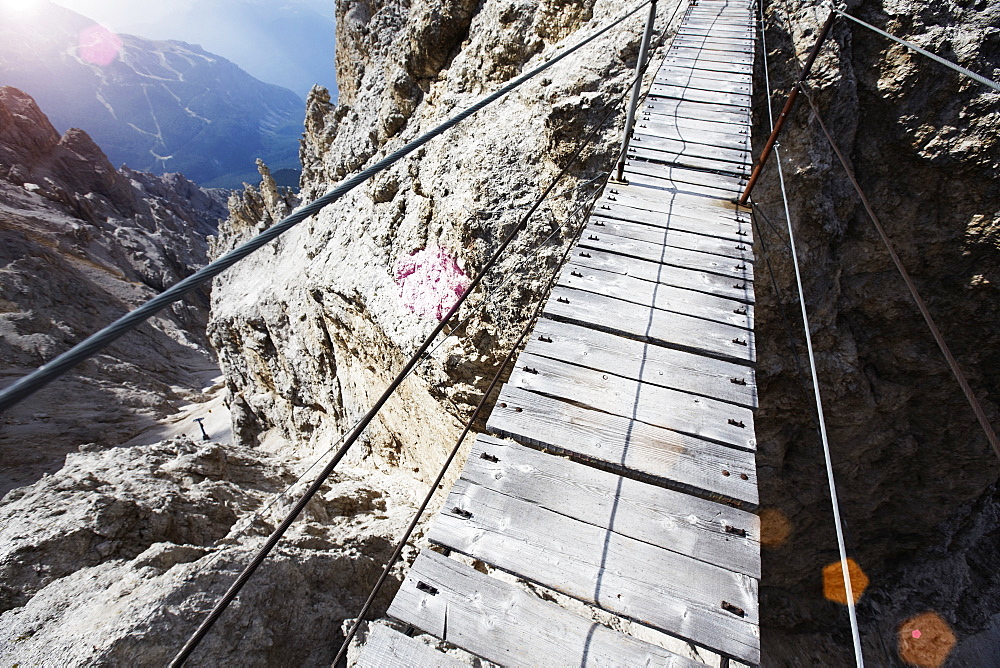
48,372
400,546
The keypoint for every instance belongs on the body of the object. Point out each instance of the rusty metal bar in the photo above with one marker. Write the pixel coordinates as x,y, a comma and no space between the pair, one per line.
787,110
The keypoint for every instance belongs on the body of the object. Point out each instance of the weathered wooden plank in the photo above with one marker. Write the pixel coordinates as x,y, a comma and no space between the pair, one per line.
656,365
670,237
510,627
696,110
705,22
387,647
692,61
735,16
665,274
661,327
690,79
706,54
667,202
665,518
690,156
678,257
665,458
692,205
665,590
675,299
699,416
644,173
706,74
715,42
686,159
721,16
739,11
716,224
722,31
739,51
650,140
691,177
698,95
722,123
679,177
721,135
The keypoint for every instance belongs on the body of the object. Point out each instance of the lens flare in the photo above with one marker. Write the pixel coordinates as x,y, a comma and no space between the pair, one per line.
833,582
925,640
99,46
775,527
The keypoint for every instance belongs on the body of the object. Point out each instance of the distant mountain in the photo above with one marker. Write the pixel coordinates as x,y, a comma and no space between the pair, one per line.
290,43
154,106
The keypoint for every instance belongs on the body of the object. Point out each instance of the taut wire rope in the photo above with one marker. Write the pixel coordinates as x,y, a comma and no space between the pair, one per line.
93,344
248,521
911,286
835,503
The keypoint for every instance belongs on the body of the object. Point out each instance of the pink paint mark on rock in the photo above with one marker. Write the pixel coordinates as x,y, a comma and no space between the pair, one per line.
916,633
99,46
430,281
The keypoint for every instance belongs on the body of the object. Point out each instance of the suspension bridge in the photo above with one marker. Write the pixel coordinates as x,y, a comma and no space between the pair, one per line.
618,464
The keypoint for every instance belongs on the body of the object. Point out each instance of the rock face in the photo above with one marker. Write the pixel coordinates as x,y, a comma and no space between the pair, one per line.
915,474
312,330
115,559
81,244
157,106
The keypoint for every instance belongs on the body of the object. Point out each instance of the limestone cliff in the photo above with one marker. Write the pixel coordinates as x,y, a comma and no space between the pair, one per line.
310,331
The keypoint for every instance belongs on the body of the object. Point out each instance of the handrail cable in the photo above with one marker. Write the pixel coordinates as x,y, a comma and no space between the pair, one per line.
90,346
913,47
401,544
911,286
362,424
835,503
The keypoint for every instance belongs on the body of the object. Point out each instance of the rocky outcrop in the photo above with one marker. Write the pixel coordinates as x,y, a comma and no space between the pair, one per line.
115,559
81,244
311,330
914,471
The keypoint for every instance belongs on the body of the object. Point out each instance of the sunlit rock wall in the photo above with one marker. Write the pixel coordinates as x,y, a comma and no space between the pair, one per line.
311,330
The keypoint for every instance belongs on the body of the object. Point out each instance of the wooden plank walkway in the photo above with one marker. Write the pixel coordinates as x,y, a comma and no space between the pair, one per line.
619,469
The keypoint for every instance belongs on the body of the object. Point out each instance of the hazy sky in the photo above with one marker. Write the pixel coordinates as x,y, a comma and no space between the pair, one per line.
285,42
